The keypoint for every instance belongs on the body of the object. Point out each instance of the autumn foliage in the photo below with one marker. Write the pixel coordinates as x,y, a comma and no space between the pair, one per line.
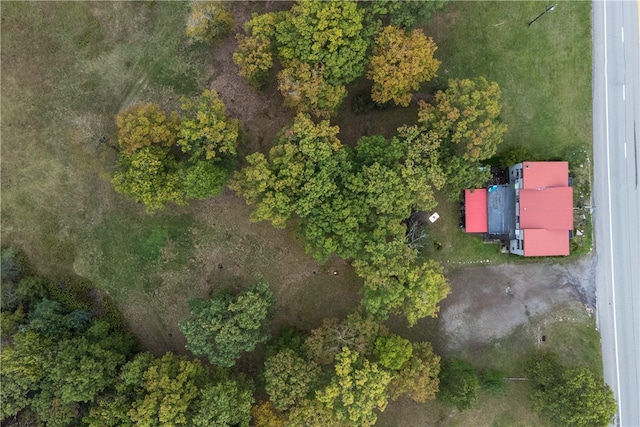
400,62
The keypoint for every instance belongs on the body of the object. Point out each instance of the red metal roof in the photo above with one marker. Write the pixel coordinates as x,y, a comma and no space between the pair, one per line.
475,210
545,174
549,208
539,242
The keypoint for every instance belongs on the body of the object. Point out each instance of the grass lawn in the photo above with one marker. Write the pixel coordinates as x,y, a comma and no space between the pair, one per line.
67,69
544,72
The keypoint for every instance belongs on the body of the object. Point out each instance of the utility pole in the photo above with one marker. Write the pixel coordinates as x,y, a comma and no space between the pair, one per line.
547,9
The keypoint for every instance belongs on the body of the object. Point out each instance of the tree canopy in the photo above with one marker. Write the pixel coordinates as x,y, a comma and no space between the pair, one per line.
207,22
358,388
400,62
569,396
166,159
226,326
459,384
289,378
328,33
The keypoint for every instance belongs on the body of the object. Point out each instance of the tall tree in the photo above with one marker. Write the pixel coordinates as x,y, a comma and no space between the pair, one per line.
400,62
24,365
146,124
289,378
226,326
256,47
304,89
294,174
329,33
466,115
151,168
149,176
224,404
86,365
393,351
358,388
397,283
357,332
207,22
314,413
458,384
418,378
206,132
569,397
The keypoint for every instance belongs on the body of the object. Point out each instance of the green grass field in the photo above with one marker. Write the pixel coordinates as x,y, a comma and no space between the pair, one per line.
544,72
69,67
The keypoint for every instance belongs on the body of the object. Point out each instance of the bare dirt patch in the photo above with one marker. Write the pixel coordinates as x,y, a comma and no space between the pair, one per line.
489,302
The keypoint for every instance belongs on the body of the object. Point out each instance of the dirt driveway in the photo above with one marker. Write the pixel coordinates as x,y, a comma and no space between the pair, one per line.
489,302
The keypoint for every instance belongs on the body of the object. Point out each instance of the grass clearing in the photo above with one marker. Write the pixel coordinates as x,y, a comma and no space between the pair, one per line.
544,72
67,69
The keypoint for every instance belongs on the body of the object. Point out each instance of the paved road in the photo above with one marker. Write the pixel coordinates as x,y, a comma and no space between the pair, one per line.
616,119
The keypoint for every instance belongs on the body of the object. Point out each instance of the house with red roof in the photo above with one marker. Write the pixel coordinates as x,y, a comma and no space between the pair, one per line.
534,212
544,208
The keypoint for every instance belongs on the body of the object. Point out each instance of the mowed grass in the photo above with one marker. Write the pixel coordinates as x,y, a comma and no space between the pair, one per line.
544,72
67,69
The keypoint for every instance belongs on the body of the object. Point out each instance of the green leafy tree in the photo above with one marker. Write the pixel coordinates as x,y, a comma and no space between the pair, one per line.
569,397
224,404
466,116
150,176
515,155
203,179
579,398
226,326
167,388
206,132
458,384
357,332
393,351
23,366
400,63
493,382
325,32
256,47
291,175
404,13
146,124
207,22
289,378
396,283
314,413
305,90
358,388
418,378
84,366
53,411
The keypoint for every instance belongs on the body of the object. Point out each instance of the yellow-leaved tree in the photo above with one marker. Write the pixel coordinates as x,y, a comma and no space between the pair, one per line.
401,61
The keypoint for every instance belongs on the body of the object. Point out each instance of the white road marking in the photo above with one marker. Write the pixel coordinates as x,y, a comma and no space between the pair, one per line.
625,150
624,93
622,29
613,288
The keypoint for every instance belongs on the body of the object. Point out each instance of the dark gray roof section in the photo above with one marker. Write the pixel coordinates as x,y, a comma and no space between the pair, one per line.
501,206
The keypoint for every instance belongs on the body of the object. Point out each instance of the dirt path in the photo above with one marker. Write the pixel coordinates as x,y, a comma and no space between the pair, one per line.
489,302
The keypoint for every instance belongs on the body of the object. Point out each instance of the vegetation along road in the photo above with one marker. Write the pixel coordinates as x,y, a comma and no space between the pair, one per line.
617,198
